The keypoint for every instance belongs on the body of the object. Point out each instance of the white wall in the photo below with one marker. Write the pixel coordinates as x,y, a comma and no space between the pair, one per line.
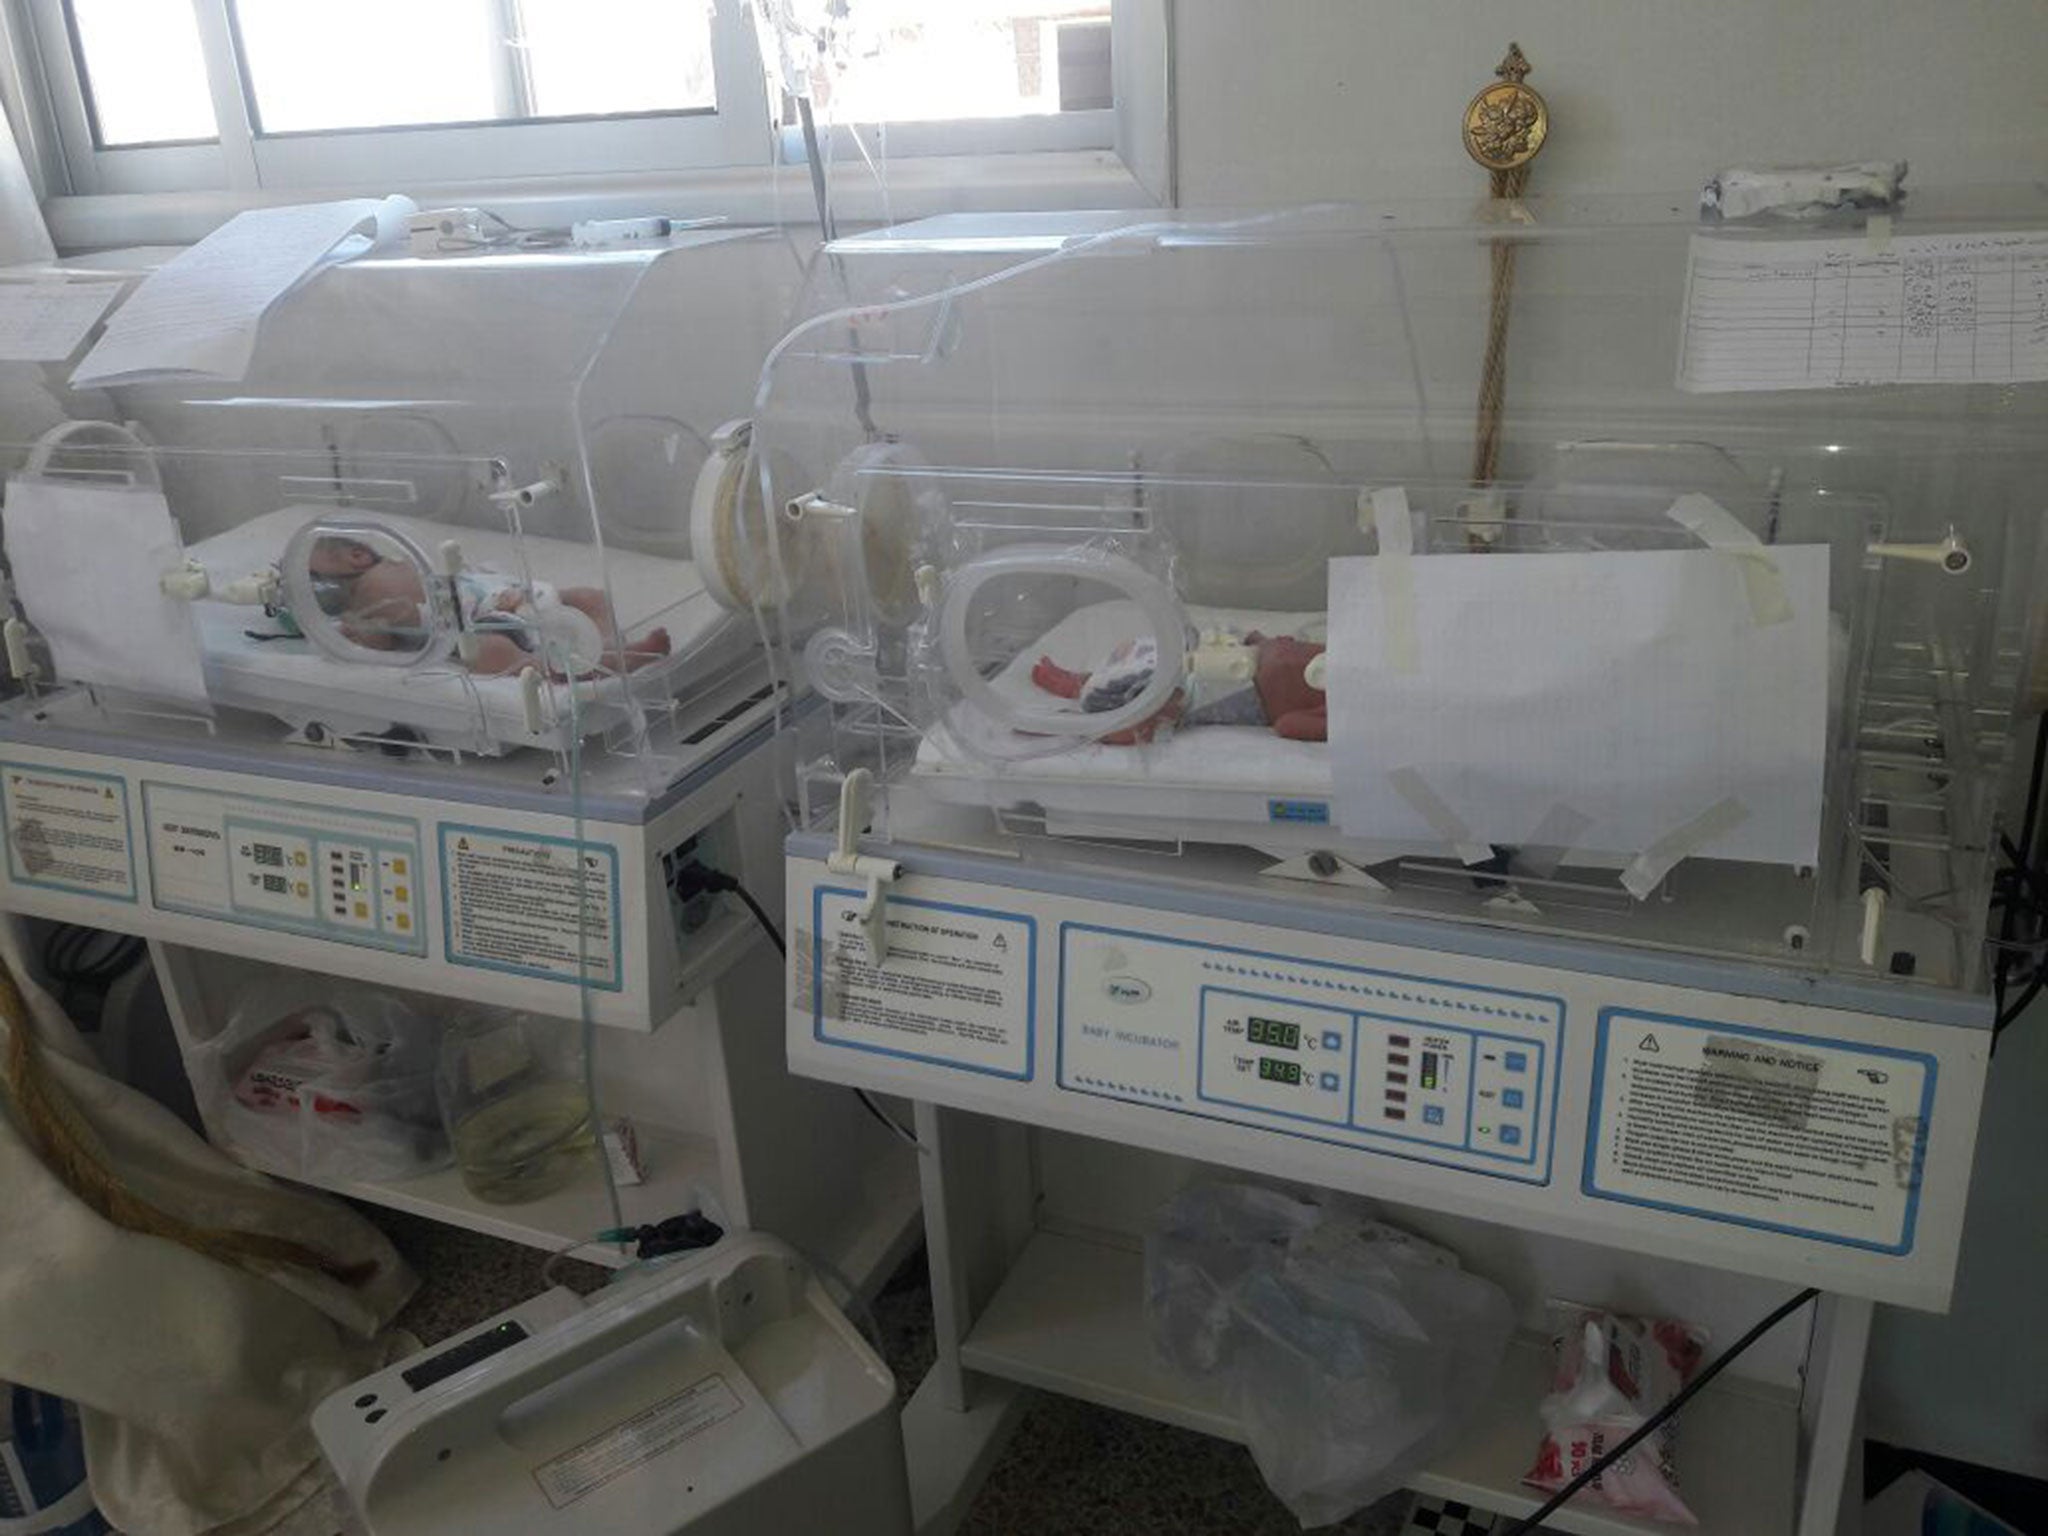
1294,100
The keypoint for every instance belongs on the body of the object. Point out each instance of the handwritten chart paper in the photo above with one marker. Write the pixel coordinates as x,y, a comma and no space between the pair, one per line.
1818,314
45,322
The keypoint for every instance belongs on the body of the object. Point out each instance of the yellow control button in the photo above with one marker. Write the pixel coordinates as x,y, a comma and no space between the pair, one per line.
404,922
302,889
398,866
362,909
401,894
299,859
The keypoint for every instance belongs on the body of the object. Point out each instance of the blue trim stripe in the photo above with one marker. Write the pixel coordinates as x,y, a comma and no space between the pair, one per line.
1546,1128
14,872
443,829
1030,926
1609,1017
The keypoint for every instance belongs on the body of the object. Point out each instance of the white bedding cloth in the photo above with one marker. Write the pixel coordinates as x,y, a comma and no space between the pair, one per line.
294,680
1210,757
1214,783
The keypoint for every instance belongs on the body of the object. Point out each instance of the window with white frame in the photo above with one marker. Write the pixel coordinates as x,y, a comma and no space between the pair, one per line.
270,95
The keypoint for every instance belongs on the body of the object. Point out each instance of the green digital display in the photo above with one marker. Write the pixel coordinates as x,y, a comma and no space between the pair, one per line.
1273,1070
1273,1032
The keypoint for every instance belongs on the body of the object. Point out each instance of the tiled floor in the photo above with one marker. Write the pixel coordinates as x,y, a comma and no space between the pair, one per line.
1072,1470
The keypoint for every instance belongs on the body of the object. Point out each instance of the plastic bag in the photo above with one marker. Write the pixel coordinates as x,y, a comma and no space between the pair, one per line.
1352,1352
1613,1372
324,1079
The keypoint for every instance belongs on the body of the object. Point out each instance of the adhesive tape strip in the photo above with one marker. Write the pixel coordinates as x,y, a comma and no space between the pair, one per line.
1556,835
1396,532
1649,868
1877,233
1412,787
1724,533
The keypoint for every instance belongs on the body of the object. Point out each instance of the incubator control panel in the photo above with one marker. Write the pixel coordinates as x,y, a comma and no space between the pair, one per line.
278,864
1410,1066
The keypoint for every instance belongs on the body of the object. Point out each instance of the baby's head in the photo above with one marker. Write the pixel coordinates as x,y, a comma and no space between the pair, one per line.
334,555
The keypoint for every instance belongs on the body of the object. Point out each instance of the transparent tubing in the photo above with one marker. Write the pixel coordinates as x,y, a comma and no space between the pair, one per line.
1153,596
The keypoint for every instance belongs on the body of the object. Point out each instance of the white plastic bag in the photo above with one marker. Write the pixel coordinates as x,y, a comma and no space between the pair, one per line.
1353,1352
324,1079
1612,1373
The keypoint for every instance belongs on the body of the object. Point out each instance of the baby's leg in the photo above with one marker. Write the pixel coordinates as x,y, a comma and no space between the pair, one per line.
498,654
590,602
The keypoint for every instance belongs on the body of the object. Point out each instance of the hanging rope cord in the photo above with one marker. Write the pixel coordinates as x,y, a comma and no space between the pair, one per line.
71,1150
1493,375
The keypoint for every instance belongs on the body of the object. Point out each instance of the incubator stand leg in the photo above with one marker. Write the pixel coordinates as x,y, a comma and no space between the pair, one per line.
1830,1426
978,1216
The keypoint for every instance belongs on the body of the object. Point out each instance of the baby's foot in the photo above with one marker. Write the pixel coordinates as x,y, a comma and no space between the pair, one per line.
1057,680
650,647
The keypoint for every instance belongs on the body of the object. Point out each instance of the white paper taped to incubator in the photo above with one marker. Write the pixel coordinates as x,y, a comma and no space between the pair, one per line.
1644,691
88,561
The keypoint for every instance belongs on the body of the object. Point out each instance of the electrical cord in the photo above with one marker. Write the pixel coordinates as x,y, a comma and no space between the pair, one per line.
719,880
2024,874
75,957
1649,1426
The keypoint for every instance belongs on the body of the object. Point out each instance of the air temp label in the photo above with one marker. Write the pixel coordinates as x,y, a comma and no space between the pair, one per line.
955,986
1786,1132
532,906
577,1473
68,831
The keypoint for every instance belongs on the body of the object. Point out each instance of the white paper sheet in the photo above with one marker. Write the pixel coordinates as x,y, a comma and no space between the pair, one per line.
1634,689
44,322
197,315
87,560
1815,314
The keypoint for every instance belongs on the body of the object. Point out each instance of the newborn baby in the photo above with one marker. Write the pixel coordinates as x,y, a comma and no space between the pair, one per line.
382,604
1279,694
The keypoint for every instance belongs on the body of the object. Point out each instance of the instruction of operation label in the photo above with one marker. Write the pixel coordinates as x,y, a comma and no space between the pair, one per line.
955,987
1815,1137
68,830
577,1473
532,905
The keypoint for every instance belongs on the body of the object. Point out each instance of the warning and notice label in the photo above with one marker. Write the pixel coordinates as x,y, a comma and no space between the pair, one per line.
538,906
1812,1136
68,830
635,1441
954,988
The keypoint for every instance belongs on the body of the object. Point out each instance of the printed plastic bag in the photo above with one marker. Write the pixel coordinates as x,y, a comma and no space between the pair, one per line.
1353,1352
1612,1373
324,1079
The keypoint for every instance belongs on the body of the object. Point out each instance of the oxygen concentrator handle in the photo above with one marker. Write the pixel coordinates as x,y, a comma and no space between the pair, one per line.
613,1324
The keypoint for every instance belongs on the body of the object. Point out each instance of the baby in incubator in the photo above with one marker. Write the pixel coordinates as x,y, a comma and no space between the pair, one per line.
1278,694
381,604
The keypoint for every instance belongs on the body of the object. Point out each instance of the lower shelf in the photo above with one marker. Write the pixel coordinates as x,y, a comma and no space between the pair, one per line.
1070,1319
864,1247
682,1175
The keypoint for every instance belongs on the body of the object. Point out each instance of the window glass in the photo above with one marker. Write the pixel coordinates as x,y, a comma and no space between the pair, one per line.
921,60
144,71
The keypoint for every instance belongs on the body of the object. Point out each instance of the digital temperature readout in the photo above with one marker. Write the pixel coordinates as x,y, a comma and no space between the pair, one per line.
1273,1032
1273,1070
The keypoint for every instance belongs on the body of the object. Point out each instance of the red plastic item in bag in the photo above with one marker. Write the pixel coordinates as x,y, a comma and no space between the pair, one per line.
1613,1373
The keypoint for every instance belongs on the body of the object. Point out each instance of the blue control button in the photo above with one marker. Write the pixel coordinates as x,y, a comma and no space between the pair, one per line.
1511,1135
1511,1098
1329,1082
1332,1041
1432,1114
1515,1061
